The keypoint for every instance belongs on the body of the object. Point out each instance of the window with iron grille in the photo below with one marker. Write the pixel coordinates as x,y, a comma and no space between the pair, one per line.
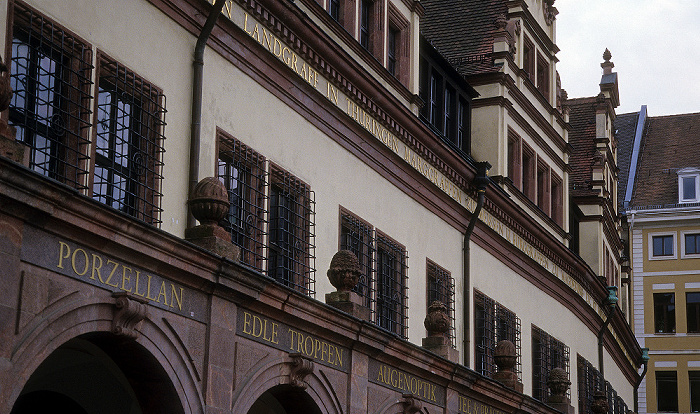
290,258
391,275
242,171
357,236
547,353
589,379
441,288
493,323
128,142
51,73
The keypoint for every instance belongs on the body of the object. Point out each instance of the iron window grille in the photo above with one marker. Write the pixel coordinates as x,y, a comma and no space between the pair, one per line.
242,171
50,108
129,125
356,236
547,353
441,288
391,284
290,247
589,379
493,323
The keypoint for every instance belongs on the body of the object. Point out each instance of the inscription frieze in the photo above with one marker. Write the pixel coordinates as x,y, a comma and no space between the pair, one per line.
406,383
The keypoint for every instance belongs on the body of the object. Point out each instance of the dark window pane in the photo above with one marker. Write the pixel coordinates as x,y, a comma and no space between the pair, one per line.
689,191
692,300
664,313
662,245
692,243
667,391
694,379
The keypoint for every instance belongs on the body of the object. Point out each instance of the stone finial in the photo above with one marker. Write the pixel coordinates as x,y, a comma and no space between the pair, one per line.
344,271
209,201
558,383
505,357
600,402
209,205
436,321
607,65
500,22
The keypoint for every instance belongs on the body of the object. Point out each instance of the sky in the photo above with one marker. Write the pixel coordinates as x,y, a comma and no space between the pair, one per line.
655,46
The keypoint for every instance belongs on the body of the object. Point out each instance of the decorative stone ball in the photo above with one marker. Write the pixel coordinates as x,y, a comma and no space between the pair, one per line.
558,382
209,201
504,355
436,321
344,272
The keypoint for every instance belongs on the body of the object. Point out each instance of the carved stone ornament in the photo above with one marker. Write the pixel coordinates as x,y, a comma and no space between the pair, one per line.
436,321
505,356
344,271
127,315
600,402
300,368
411,404
5,88
558,383
209,201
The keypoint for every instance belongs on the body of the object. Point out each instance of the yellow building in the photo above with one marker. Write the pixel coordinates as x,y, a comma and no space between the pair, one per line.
663,214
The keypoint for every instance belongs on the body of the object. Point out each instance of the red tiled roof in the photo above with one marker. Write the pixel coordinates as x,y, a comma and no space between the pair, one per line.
669,143
463,29
582,140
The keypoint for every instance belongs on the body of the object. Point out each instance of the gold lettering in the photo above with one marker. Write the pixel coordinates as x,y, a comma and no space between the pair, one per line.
60,254
136,288
174,296
228,8
245,24
96,268
332,93
125,279
256,34
148,289
111,274
87,262
161,292
339,356
380,376
267,39
277,48
246,323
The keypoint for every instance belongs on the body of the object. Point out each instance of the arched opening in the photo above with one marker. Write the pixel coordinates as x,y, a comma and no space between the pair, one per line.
99,373
284,399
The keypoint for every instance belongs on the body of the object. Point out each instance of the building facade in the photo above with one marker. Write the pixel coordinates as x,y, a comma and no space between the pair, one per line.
332,125
661,206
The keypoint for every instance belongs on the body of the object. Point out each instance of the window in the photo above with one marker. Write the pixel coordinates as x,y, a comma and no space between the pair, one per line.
440,286
691,244
692,304
529,59
242,171
514,166
128,139
528,174
366,20
694,380
463,133
543,188
51,73
290,231
589,379
662,245
448,111
557,207
493,323
667,391
664,313
357,236
288,257
392,42
434,100
334,9
384,272
391,312
543,76
547,353
689,185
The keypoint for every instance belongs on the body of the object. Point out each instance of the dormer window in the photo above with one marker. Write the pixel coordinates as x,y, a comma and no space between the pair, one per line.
689,185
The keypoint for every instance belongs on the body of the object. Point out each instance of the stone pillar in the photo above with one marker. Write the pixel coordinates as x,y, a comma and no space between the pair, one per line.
505,357
344,273
209,204
558,383
438,325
